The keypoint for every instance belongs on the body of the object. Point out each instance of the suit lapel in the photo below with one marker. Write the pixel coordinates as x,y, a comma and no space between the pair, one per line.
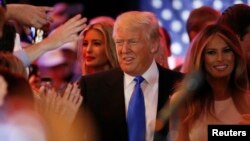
116,101
163,90
115,90
163,95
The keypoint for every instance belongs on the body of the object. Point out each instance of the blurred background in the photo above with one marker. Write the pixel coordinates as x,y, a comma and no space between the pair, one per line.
172,15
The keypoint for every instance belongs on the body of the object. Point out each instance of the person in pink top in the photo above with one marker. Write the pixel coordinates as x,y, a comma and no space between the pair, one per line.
214,90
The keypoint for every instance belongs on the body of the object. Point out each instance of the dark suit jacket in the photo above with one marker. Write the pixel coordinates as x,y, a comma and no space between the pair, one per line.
104,98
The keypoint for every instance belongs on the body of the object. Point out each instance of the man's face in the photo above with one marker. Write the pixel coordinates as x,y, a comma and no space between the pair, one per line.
135,53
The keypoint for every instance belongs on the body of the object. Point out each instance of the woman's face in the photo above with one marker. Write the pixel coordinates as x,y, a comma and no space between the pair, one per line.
94,49
219,58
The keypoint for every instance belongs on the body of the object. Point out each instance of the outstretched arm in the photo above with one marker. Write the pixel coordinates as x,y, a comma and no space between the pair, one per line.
65,33
28,15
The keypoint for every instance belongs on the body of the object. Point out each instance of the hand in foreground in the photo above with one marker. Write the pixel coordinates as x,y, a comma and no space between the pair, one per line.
56,107
29,15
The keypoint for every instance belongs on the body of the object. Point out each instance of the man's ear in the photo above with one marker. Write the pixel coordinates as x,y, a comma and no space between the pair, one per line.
155,47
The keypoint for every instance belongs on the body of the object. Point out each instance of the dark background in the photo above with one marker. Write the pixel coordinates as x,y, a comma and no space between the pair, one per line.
92,8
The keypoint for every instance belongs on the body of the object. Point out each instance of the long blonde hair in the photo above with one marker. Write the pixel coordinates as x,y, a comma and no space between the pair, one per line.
106,29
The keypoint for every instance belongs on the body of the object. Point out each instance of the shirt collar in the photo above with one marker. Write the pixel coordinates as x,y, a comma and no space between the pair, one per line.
151,75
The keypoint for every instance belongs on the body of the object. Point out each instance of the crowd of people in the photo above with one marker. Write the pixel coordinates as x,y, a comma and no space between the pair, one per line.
108,79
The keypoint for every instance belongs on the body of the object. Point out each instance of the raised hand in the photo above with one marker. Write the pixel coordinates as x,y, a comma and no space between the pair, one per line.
29,15
60,107
66,33
71,100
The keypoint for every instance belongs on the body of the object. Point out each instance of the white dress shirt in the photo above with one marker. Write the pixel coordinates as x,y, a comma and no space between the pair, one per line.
150,90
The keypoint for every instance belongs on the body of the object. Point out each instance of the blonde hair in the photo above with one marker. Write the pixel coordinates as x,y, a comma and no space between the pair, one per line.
106,29
141,20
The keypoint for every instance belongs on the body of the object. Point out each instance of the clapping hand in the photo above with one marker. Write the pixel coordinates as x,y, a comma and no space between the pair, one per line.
60,107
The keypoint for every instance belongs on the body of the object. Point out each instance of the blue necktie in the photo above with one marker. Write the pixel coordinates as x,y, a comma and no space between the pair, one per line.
136,113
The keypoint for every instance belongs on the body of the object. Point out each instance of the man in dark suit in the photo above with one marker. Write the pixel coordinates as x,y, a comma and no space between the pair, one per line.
107,95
